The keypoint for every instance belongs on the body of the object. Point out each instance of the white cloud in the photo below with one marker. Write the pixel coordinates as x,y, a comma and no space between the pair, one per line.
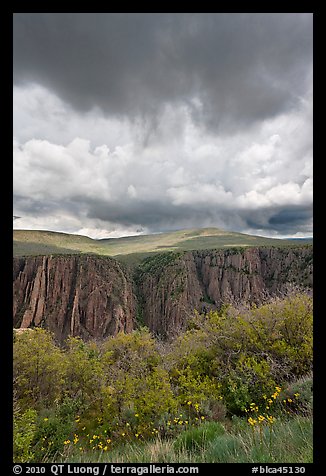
94,175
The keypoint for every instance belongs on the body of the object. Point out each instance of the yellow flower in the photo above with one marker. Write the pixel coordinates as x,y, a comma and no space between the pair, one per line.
267,408
261,418
290,400
264,397
296,395
270,400
123,434
168,423
186,422
189,403
202,417
108,441
136,415
66,442
45,419
105,448
278,389
127,424
270,419
136,435
251,421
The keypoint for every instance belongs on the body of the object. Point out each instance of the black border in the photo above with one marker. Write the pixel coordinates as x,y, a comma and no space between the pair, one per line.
6,453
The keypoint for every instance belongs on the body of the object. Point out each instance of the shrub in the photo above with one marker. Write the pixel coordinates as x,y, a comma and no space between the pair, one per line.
52,431
24,431
39,369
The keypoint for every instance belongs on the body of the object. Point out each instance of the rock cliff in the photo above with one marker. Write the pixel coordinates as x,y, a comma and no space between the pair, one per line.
94,296
171,287
86,296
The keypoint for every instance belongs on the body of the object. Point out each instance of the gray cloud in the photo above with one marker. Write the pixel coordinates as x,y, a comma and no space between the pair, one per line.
231,70
153,122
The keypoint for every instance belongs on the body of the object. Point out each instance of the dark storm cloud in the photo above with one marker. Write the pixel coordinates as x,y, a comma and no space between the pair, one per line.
153,214
230,69
283,220
290,217
163,121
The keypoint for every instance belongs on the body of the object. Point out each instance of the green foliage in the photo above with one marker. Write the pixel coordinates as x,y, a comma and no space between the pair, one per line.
132,388
289,442
246,353
135,378
197,438
158,262
132,250
300,392
51,433
83,372
39,369
23,432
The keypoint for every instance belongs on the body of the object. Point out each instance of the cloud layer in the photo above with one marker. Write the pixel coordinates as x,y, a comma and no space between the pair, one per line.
144,122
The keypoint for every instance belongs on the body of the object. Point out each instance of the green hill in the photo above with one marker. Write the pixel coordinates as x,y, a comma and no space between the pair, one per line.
134,248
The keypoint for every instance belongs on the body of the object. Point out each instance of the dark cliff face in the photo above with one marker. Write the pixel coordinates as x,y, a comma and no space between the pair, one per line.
205,280
86,296
93,296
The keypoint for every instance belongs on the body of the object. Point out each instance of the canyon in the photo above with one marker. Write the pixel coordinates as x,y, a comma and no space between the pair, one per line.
94,296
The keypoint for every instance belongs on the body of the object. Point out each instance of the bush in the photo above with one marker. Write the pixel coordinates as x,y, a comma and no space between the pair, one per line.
39,369
24,432
243,354
130,387
50,435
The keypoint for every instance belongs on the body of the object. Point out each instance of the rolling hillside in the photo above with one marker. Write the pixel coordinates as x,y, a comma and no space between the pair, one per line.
134,248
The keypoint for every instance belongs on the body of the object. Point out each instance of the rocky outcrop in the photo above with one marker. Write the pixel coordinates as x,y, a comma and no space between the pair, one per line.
170,290
94,296
86,296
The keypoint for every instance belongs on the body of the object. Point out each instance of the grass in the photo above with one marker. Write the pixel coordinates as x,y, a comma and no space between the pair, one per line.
133,249
289,441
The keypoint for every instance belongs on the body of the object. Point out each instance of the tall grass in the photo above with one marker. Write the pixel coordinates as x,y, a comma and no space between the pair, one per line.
288,441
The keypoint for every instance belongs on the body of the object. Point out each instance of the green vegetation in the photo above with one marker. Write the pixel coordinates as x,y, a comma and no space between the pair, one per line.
235,387
289,441
133,249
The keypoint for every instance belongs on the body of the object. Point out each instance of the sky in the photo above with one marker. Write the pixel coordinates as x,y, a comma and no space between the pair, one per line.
142,123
